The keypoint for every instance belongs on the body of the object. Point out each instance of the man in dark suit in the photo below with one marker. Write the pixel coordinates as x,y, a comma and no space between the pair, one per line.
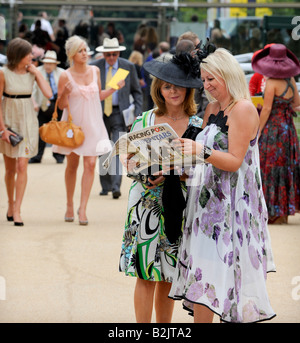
114,106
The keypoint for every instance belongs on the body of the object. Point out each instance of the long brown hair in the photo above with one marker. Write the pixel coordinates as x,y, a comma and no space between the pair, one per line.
189,104
17,49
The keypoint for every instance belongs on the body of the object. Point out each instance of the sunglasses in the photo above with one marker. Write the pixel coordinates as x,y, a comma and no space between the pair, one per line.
198,46
108,54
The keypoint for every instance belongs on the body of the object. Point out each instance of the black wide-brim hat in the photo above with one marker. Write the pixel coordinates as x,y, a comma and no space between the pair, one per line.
276,61
180,71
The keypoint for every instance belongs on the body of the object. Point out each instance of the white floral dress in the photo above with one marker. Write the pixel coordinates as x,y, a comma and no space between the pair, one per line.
225,251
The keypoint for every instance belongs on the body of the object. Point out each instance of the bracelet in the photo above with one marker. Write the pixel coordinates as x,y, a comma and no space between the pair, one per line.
1,132
207,152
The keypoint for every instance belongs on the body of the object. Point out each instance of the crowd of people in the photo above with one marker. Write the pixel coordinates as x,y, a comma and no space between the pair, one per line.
199,234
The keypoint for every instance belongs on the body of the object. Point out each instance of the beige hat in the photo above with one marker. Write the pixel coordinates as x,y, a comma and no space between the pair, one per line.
110,45
89,51
50,57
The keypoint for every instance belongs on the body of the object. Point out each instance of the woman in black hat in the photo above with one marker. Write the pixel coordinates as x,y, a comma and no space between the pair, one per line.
278,143
150,241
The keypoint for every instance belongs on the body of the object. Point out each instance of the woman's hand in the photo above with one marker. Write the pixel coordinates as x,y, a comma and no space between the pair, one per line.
128,162
158,179
188,146
67,89
32,69
5,135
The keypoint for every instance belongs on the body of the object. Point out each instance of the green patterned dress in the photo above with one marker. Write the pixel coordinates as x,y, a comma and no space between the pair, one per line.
146,252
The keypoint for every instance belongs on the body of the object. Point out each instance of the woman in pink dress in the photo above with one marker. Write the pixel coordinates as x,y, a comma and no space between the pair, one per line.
80,86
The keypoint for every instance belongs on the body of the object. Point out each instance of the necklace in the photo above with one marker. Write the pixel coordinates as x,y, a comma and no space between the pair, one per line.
226,106
175,119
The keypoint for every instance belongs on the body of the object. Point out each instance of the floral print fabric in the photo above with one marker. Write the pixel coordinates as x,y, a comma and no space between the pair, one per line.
225,251
280,160
146,252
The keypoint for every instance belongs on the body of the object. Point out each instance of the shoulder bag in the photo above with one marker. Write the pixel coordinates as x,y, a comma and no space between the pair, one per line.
62,133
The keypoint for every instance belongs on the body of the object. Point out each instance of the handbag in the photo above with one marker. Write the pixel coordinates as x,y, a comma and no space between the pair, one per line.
173,200
14,140
62,133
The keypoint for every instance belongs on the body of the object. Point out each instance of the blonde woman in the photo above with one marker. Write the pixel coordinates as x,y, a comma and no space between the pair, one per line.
80,87
137,58
17,112
225,251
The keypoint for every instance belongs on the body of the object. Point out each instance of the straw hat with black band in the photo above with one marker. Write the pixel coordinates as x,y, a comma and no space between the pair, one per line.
50,57
110,45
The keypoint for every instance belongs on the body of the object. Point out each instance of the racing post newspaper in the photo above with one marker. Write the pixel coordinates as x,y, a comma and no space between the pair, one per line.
151,148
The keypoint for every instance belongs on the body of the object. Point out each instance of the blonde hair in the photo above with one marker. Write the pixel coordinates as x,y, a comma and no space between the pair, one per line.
136,58
222,65
72,46
189,104
189,35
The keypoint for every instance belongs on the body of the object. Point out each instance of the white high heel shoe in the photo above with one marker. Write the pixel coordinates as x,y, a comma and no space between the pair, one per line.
82,222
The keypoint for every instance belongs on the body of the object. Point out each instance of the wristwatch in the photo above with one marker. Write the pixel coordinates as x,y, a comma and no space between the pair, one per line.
207,151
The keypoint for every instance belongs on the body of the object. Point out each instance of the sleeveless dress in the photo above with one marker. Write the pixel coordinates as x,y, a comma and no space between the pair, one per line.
146,251
225,250
19,115
280,159
86,111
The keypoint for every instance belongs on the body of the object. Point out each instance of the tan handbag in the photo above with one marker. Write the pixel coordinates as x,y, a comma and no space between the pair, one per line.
62,133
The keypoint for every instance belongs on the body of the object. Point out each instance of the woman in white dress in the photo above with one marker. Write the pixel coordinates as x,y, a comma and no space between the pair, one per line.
17,112
225,251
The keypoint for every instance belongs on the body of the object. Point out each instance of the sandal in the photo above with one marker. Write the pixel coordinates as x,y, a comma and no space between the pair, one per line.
277,220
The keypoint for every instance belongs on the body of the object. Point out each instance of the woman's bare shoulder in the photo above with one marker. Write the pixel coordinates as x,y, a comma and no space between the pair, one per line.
242,107
95,68
245,112
64,76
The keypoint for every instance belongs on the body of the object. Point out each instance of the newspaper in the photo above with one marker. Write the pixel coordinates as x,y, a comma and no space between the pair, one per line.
151,146
128,115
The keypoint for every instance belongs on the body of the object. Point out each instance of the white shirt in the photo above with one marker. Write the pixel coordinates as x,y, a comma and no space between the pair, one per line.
45,25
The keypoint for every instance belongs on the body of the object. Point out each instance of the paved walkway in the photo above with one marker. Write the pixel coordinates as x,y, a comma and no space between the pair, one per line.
62,272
